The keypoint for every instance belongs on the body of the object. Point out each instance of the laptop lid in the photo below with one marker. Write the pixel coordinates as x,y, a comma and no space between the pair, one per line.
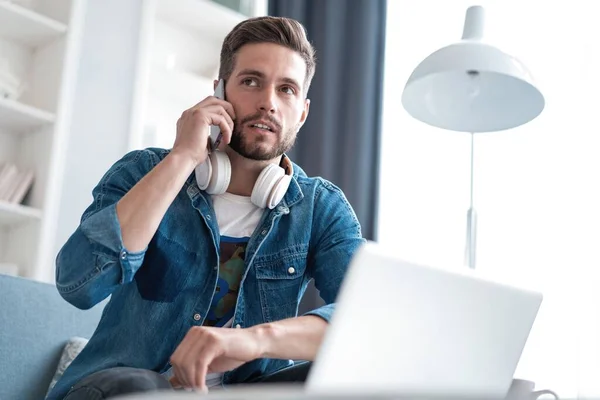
411,329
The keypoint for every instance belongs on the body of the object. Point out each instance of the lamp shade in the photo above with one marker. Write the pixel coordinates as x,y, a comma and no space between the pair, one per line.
471,86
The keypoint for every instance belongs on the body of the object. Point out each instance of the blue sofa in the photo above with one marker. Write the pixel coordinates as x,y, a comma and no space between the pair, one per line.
35,325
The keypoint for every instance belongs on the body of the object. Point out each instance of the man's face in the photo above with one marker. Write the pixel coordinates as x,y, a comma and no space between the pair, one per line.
266,91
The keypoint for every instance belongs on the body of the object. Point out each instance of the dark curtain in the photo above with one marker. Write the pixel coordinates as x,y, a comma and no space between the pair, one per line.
341,139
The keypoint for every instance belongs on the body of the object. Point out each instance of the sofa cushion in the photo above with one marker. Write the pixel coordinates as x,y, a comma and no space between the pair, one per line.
35,322
71,350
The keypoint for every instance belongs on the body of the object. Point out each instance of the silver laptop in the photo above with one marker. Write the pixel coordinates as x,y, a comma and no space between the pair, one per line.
414,330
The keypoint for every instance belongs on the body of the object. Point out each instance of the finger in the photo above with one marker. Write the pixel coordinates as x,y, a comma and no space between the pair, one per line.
226,139
198,355
219,120
217,109
209,102
227,106
213,115
176,374
226,116
203,362
193,356
179,376
226,133
201,376
188,370
200,124
177,360
200,104
175,383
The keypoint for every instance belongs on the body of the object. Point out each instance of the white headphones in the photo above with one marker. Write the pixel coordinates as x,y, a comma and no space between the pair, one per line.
214,174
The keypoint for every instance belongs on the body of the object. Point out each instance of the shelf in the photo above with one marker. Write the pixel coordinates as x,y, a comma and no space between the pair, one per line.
201,16
26,26
15,214
180,87
20,118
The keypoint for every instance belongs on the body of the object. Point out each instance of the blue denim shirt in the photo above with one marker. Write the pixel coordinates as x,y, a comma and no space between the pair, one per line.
158,294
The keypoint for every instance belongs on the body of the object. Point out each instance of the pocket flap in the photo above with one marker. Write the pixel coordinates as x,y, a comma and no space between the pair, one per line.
286,268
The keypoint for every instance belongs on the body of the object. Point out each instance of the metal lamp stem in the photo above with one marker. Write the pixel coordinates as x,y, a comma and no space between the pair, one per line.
471,245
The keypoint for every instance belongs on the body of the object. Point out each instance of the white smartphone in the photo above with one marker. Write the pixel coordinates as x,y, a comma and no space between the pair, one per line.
215,136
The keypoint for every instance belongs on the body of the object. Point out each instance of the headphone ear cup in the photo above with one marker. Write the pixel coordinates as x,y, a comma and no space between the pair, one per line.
203,173
221,173
270,187
279,191
214,174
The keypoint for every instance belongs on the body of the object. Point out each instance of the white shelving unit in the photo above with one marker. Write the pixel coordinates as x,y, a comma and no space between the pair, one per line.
14,214
28,27
178,62
20,118
202,17
40,43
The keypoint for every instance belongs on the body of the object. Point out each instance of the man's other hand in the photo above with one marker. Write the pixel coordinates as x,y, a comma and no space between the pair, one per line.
204,350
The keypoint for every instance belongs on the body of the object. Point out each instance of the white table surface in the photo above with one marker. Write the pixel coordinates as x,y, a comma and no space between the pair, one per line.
273,392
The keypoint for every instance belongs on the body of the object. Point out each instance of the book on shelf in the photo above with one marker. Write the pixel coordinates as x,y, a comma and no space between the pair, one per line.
14,183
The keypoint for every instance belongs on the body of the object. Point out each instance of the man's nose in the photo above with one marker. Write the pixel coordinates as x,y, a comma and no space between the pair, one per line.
268,100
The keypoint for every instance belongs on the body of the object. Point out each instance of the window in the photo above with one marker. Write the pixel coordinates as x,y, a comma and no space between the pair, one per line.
536,186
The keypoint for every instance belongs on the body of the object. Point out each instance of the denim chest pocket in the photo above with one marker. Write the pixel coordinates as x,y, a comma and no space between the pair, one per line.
166,271
279,283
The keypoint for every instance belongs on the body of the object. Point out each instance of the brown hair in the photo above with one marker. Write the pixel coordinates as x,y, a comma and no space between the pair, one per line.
286,32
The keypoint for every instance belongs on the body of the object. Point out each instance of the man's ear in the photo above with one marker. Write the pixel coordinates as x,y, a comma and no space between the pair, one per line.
304,113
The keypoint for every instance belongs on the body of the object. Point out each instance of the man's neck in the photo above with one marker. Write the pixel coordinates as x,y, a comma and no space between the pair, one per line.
245,172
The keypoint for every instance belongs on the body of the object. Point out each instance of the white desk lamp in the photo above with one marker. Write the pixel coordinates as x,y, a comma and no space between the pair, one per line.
473,87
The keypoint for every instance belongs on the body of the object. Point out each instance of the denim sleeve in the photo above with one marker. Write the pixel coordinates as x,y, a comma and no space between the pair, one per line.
94,262
337,237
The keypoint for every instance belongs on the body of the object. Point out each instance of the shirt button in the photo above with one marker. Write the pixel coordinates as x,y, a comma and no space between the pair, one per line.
197,317
291,270
208,217
264,232
123,255
238,326
216,267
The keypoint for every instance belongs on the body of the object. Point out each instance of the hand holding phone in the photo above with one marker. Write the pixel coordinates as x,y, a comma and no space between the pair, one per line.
203,127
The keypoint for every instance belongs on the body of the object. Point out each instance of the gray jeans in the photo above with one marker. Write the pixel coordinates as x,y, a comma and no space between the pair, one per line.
117,381
124,380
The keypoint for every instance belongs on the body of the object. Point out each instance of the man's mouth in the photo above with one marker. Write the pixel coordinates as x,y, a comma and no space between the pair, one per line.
261,126
264,124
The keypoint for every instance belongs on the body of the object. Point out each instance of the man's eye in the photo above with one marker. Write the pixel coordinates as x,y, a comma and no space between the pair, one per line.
288,90
249,82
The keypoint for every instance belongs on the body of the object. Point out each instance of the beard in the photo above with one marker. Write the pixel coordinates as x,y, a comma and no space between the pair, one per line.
254,150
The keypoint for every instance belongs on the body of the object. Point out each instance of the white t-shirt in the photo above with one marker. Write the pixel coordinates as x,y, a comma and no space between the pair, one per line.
237,217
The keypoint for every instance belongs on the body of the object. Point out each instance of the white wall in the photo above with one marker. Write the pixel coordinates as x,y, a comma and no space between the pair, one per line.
99,131
536,186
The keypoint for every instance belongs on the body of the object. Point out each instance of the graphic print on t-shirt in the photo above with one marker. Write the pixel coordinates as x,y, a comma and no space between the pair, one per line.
237,217
231,269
